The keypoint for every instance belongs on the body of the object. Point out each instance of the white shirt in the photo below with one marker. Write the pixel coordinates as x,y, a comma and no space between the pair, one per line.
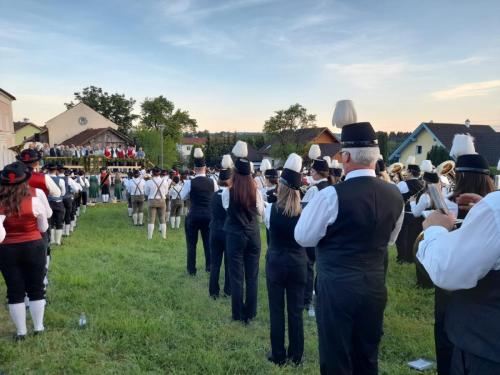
40,212
424,203
322,211
259,201
54,190
267,215
460,258
175,191
83,182
156,188
43,198
2,229
62,185
75,187
136,186
186,188
312,191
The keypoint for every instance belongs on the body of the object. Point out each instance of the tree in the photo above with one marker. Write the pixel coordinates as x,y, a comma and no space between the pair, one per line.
115,107
161,111
150,140
383,144
437,155
283,125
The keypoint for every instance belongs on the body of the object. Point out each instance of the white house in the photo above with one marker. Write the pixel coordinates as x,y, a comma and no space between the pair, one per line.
186,146
74,121
7,134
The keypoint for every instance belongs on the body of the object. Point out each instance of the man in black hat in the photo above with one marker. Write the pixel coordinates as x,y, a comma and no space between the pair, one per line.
199,190
57,205
351,225
412,187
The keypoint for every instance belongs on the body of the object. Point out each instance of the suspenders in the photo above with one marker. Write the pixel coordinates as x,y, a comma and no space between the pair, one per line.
136,187
158,191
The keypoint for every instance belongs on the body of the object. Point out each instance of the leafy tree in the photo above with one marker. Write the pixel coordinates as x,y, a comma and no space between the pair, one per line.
150,140
115,107
161,111
437,155
282,127
383,144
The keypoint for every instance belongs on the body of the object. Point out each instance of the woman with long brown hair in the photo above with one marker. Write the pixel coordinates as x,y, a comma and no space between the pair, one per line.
243,204
23,251
286,266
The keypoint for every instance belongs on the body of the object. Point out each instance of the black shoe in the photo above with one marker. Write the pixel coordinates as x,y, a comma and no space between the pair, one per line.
38,333
214,296
18,338
278,362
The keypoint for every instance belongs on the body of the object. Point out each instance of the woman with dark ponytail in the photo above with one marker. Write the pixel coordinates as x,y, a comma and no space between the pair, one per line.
243,204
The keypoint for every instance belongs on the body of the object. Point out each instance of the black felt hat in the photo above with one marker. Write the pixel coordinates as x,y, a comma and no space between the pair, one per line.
291,175
225,174
52,167
431,177
199,158
473,163
29,156
360,134
156,171
242,166
320,165
14,174
271,173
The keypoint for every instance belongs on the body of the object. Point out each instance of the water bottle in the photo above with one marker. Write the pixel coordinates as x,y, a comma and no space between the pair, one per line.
82,322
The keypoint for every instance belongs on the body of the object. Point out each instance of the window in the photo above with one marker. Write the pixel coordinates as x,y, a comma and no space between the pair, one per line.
188,148
419,149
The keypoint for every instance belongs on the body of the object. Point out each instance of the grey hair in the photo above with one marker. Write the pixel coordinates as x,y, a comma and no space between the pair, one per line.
363,155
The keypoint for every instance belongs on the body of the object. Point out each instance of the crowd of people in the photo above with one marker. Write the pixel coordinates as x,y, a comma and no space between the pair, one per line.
108,150
328,229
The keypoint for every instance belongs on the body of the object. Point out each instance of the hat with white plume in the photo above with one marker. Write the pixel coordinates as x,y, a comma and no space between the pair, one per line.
199,158
226,168
265,165
318,164
467,159
241,164
412,165
291,175
426,166
354,134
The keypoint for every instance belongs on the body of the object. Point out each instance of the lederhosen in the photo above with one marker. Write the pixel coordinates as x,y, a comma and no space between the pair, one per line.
218,246
157,204
412,226
137,199
286,275
176,203
68,202
243,248
57,206
311,259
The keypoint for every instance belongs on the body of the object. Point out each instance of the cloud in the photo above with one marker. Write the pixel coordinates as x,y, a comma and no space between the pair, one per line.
467,90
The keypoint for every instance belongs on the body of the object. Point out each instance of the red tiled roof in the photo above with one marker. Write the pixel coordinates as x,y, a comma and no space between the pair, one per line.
194,141
86,135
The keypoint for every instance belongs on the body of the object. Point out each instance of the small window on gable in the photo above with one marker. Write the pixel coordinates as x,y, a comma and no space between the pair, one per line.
419,149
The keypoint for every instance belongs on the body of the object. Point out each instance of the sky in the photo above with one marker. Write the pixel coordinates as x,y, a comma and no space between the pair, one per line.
232,63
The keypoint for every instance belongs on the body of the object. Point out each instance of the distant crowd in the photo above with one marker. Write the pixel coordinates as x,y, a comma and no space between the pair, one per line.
108,151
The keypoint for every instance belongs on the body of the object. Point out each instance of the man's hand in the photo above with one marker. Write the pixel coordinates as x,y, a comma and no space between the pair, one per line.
438,219
468,200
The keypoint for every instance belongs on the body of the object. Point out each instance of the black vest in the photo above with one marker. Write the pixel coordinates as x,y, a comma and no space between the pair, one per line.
68,194
415,187
202,190
283,249
356,243
322,185
473,318
271,196
218,212
239,219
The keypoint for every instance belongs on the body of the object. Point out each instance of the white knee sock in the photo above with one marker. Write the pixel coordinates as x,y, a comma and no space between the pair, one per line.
59,234
141,218
84,208
163,230
134,218
177,222
72,225
129,211
52,236
37,310
151,229
172,222
47,262
18,316
78,211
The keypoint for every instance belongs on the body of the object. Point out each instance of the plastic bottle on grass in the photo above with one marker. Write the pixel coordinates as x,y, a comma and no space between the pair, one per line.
82,322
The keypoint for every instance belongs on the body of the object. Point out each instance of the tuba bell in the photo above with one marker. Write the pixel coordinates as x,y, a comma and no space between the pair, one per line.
446,168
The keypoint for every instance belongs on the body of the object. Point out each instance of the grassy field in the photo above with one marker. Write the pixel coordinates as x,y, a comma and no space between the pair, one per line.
145,315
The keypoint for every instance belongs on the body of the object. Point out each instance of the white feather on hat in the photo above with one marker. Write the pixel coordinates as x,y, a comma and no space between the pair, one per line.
240,149
335,164
426,166
227,162
314,152
410,160
463,144
265,165
328,160
294,163
344,114
198,153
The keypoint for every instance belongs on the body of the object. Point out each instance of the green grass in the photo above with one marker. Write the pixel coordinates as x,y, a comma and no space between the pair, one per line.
145,315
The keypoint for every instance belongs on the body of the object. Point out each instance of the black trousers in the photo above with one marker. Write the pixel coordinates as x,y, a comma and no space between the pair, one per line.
68,209
217,251
411,228
74,206
78,199
193,225
23,269
464,363
289,281
311,259
84,196
243,250
349,314
444,347
57,219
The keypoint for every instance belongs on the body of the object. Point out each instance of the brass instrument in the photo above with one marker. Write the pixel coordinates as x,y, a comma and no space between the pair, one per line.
395,169
447,168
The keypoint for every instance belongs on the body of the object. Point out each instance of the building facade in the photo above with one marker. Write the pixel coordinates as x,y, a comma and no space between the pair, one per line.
7,135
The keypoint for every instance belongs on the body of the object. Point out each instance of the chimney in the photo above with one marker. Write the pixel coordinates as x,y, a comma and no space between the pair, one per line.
467,123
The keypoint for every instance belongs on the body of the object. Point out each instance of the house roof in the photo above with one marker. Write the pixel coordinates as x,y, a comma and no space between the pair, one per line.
86,135
329,149
194,140
304,136
10,96
486,139
81,104
18,125
253,154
